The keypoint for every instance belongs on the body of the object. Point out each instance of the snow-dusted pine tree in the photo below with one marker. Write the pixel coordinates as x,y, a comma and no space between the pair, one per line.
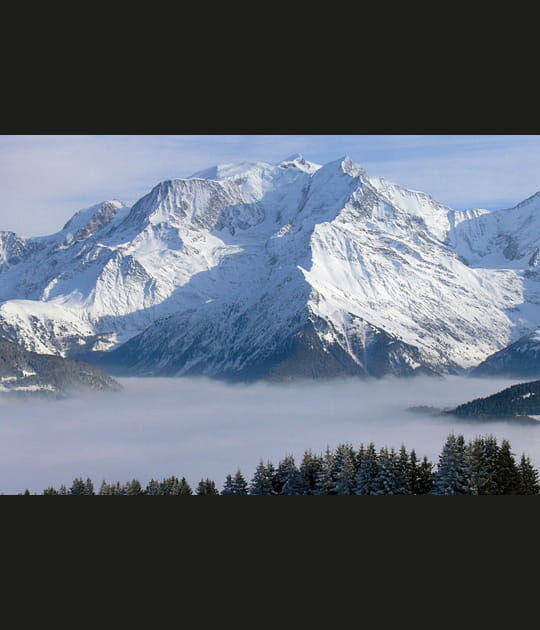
388,472
239,484
359,456
403,472
324,483
78,487
424,477
261,482
133,487
413,472
344,470
152,487
228,486
310,467
506,475
367,476
483,453
528,477
292,481
180,487
453,470
206,487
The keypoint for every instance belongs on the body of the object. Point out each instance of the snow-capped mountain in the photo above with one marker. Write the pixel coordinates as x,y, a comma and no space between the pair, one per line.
276,270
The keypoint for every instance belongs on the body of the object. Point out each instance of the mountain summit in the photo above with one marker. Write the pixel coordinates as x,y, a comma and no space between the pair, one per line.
278,271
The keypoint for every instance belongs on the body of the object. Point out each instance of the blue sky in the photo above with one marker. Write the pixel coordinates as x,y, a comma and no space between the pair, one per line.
44,179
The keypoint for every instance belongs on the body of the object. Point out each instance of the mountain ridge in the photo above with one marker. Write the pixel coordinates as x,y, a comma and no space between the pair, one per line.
235,276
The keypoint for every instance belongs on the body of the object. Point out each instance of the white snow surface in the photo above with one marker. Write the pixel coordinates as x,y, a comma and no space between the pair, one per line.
241,253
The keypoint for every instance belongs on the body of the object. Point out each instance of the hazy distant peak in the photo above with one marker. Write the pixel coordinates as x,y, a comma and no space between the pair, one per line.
229,170
300,162
221,172
93,217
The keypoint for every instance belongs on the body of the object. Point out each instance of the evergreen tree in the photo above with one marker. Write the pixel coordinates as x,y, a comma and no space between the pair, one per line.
404,474
424,477
310,467
228,487
413,472
282,472
271,474
50,491
528,477
292,482
453,471
206,487
152,488
325,483
104,488
359,456
261,483
343,452
239,483
483,454
388,472
235,485
174,486
116,488
367,476
166,485
62,490
89,487
506,476
345,471
182,487
133,487
78,487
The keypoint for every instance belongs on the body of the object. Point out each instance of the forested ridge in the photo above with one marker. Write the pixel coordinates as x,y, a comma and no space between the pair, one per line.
518,400
478,467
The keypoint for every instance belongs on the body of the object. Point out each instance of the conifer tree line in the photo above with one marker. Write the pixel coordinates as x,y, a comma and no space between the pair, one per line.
479,467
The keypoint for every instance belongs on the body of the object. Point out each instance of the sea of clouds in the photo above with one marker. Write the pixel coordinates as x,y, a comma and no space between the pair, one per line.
200,428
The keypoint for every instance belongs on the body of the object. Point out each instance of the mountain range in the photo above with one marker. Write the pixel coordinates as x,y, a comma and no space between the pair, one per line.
280,271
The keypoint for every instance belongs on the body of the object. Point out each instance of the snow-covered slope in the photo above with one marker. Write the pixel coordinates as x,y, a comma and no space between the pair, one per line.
519,359
278,270
505,239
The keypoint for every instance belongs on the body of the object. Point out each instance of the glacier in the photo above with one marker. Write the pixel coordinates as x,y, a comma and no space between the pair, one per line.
287,270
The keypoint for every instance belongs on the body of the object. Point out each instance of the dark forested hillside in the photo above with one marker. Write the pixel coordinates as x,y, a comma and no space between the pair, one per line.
24,372
515,402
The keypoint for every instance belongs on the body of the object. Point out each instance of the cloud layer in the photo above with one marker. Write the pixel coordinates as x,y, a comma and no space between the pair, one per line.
200,428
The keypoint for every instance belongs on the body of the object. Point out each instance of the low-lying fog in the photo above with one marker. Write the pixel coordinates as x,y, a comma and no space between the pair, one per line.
200,428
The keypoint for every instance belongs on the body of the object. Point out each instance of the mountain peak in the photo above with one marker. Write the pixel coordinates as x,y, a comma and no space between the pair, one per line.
293,158
229,170
299,161
346,165
88,221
